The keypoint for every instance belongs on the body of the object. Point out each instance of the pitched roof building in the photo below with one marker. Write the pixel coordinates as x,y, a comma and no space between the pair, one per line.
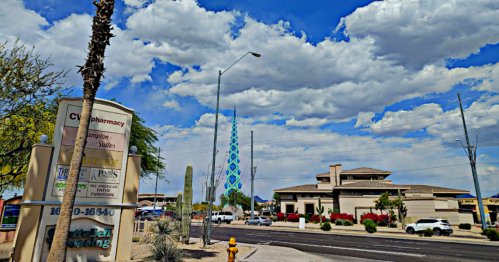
353,192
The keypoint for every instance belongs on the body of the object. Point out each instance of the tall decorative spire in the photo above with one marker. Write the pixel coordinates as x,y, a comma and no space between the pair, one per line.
233,172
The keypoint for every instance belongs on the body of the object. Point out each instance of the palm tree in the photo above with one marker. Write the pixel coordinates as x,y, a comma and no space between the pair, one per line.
91,72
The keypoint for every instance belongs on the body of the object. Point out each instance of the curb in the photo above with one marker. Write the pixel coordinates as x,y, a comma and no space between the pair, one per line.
379,235
243,259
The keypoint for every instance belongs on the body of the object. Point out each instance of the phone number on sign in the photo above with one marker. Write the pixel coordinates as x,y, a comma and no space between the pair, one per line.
87,211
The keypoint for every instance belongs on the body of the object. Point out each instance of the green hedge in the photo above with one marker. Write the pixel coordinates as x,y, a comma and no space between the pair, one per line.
492,234
465,226
370,226
326,226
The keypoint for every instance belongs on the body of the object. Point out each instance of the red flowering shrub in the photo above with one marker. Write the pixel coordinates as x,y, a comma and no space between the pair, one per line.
385,218
293,218
373,217
317,218
336,216
280,216
346,216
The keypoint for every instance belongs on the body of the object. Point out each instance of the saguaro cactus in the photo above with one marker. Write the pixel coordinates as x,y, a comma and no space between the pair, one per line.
178,210
320,210
187,205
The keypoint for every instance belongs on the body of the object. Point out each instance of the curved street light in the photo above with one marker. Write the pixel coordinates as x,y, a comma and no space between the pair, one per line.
208,240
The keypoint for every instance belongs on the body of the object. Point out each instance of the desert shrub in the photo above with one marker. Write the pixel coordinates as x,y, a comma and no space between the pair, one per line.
492,234
428,232
367,220
373,217
165,252
370,226
164,247
382,223
347,222
328,220
326,226
338,222
465,226
293,218
274,219
135,239
280,216
392,225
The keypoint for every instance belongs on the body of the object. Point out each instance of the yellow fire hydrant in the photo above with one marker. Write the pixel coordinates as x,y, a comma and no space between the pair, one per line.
232,249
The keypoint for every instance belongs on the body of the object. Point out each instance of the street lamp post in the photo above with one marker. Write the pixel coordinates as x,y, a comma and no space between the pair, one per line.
212,179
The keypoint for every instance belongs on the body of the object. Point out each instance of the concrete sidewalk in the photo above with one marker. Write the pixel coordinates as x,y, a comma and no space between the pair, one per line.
270,253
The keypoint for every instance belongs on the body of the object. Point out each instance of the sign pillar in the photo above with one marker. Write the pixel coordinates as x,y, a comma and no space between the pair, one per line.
105,203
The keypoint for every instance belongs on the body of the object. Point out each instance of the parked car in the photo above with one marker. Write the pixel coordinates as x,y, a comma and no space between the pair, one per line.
261,221
221,216
438,225
198,213
149,217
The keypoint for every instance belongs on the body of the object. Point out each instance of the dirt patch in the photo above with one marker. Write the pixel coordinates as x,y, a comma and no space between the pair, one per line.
194,252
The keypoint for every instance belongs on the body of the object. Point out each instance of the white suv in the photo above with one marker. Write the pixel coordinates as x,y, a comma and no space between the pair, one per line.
439,226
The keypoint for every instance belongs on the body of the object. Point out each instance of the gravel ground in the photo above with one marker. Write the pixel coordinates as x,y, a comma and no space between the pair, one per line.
193,251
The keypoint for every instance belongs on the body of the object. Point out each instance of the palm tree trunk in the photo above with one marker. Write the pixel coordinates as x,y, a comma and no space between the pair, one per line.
91,72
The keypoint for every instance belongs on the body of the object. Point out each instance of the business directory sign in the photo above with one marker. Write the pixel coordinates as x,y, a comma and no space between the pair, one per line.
99,198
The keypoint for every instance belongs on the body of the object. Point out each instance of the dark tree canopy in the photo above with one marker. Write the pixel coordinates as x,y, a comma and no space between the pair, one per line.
239,198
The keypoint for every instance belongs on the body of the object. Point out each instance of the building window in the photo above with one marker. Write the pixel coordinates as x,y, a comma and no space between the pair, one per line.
311,195
302,195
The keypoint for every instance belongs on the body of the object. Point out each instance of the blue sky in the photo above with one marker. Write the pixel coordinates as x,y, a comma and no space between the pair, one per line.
361,83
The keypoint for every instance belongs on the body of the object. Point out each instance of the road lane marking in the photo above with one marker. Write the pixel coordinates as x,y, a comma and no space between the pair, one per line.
397,246
357,249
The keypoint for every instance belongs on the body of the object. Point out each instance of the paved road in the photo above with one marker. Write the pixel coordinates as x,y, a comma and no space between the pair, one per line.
385,249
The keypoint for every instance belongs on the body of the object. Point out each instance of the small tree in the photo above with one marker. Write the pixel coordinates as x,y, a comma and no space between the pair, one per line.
320,210
383,202
277,199
28,87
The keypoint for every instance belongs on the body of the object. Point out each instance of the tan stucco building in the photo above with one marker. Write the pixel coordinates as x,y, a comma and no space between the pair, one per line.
147,200
353,192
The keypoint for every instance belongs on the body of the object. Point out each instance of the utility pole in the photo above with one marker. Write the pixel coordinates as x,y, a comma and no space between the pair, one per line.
157,175
252,178
472,157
